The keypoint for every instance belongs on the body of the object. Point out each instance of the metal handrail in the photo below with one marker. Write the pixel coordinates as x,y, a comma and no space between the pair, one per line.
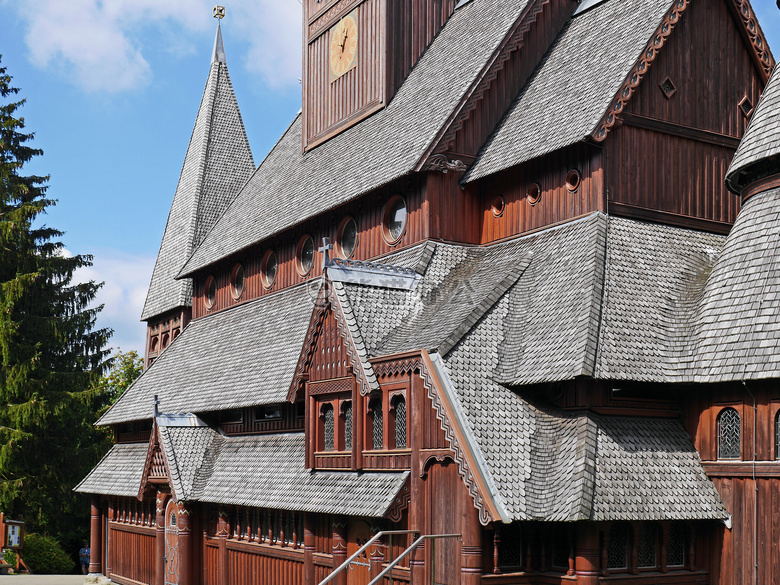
413,546
378,535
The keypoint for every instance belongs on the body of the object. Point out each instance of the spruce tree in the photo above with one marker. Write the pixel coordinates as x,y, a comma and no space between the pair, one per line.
51,353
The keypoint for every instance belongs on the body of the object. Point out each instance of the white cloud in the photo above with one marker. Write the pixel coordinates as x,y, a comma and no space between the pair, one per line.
126,280
104,46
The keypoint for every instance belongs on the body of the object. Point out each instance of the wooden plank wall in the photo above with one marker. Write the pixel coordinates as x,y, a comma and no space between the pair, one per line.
247,568
556,204
367,212
709,64
349,98
132,553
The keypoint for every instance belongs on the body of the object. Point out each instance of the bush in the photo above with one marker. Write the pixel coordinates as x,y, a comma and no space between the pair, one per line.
43,554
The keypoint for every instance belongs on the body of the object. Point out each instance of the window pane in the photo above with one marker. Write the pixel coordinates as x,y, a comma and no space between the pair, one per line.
675,551
400,423
618,542
646,548
348,239
328,414
728,434
376,409
510,549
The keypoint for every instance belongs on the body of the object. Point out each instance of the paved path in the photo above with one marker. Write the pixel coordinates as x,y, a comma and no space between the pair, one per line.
42,579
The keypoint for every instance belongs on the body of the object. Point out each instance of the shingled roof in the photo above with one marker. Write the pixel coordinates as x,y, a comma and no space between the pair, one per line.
385,146
118,473
761,141
218,163
573,86
243,356
190,452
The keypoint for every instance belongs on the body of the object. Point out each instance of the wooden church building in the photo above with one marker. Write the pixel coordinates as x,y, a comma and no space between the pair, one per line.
501,306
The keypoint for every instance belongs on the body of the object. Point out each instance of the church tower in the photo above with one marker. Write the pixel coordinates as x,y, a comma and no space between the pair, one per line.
218,162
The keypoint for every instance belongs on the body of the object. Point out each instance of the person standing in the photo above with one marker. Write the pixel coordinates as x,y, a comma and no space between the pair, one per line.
84,558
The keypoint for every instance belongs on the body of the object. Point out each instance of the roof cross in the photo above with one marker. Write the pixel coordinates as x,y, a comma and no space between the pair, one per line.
326,247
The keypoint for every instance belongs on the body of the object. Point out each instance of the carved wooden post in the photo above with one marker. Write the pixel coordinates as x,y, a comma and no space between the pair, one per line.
223,529
417,486
377,555
586,563
471,545
339,548
159,540
95,542
496,547
308,549
184,543
571,542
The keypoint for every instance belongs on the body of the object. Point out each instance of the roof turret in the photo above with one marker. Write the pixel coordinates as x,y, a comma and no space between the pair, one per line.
758,154
217,164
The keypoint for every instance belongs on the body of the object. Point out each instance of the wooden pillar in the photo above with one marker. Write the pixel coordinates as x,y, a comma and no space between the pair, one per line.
339,548
588,552
223,529
95,536
308,548
416,412
184,529
159,540
471,543
109,538
377,555
496,549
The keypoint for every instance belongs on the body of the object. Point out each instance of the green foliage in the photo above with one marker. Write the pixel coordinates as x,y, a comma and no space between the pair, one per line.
123,369
50,353
43,555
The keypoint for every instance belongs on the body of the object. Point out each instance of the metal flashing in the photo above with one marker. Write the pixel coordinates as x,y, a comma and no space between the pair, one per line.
179,420
372,274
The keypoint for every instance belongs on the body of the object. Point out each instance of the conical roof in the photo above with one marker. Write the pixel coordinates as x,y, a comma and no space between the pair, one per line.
758,154
217,164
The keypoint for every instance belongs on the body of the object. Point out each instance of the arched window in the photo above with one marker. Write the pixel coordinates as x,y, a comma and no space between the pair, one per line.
400,422
728,434
777,435
377,426
327,417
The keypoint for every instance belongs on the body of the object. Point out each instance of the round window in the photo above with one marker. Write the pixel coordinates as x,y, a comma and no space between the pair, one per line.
497,207
211,291
394,219
237,281
534,193
305,255
270,264
348,236
573,180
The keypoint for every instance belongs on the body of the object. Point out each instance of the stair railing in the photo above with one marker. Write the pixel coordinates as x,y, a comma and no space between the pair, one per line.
345,565
432,537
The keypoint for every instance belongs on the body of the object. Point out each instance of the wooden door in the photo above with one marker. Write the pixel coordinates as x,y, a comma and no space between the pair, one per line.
445,495
359,533
171,544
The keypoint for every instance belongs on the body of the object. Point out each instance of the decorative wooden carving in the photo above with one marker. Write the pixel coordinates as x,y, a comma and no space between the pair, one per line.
640,69
439,457
394,368
155,467
323,22
513,41
321,307
463,467
330,386
363,385
756,37
440,162
400,503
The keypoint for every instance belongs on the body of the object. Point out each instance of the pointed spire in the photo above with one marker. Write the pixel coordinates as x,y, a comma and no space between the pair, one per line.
219,47
217,164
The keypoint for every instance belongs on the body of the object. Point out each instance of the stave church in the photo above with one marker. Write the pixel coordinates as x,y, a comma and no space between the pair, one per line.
501,306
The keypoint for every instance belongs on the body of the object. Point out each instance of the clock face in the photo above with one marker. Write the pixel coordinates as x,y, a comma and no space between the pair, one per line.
343,47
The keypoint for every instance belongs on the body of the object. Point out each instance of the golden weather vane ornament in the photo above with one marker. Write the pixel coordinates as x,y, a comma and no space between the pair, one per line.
219,12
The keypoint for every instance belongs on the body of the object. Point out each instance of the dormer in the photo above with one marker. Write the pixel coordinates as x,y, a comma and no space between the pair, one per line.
357,53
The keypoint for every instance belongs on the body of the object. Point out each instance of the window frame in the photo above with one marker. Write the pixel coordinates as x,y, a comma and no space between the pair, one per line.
723,410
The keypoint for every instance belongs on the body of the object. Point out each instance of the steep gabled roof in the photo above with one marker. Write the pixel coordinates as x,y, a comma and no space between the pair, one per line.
379,149
574,85
218,163
118,473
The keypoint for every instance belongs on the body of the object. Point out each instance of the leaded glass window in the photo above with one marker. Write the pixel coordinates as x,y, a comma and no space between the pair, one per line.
348,426
327,414
510,548
617,557
777,435
400,423
728,434
560,548
646,546
675,549
377,426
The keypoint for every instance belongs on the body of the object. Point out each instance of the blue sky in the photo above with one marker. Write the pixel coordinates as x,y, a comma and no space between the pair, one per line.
113,87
